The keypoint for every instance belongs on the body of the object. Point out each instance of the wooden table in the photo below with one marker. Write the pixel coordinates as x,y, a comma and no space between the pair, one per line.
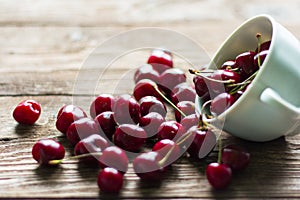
43,46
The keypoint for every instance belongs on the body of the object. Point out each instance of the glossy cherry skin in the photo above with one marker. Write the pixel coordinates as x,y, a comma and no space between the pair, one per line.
81,129
201,87
235,157
147,166
245,62
183,93
146,71
114,157
187,107
110,180
163,147
47,149
161,60
262,55
27,112
170,78
126,110
67,115
170,130
102,103
92,144
152,104
228,65
106,123
218,175
130,137
264,46
144,88
203,141
151,122
221,103
189,121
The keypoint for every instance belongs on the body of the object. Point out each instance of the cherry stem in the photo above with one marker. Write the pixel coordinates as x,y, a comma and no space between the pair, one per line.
56,162
162,161
220,150
170,102
199,73
234,90
258,36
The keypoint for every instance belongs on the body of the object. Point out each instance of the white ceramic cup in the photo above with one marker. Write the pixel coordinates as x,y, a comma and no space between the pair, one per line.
270,108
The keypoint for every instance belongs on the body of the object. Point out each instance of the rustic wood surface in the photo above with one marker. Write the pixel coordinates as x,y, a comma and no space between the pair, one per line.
43,45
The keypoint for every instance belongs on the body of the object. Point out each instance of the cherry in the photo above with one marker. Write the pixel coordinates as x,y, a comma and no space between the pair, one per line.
45,150
107,124
81,129
245,62
262,56
228,65
218,175
130,137
146,71
221,103
187,107
67,115
152,104
147,166
114,157
164,147
201,87
144,88
161,60
151,122
27,112
264,46
170,129
92,144
110,180
189,121
170,78
183,93
126,110
203,142
102,103
235,157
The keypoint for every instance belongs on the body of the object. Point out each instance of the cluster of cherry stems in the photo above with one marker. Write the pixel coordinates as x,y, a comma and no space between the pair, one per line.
131,121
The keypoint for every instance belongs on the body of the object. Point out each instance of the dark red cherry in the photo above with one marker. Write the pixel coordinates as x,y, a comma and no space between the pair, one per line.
127,110
228,65
146,71
222,75
170,129
203,142
147,166
151,122
47,149
67,115
106,123
92,144
262,55
189,121
235,157
114,157
170,78
81,129
161,60
183,93
144,88
152,104
264,46
218,175
221,103
245,62
130,137
27,112
201,86
102,103
110,180
163,147
187,107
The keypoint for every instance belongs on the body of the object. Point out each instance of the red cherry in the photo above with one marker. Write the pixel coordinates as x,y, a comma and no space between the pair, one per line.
152,104
222,75
67,115
183,93
106,123
150,123
189,121
147,166
235,157
47,149
170,78
221,103
187,107
127,110
144,88
110,180
114,157
245,62
130,137
228,65
262,55
170,129
218,175
92,144
102,103
27,112
81,129
201,87
161,60
164,146
146,71
264,46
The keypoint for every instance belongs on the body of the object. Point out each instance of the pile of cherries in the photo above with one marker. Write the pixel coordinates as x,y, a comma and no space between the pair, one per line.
120,125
